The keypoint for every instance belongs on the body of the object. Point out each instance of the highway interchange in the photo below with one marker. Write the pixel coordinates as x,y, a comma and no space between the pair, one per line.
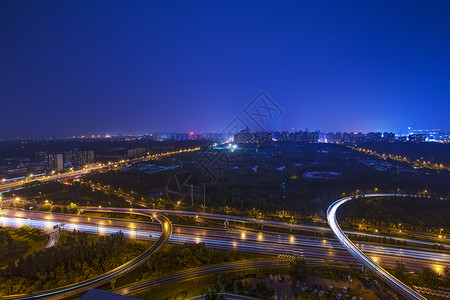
361,256
269,243
80,287
316,250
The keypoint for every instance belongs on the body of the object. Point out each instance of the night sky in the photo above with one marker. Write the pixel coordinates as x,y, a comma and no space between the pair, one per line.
133,67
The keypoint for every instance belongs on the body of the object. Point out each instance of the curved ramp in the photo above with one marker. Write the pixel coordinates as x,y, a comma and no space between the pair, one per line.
389,279
105,278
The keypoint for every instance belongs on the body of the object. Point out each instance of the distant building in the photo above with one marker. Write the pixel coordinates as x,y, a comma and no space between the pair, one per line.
266,137
374,137
247,136
79,157
54,162
135,152
417,138
256,137
322,175
243,137
389,137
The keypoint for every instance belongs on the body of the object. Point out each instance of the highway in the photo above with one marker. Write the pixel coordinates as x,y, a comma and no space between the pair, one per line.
262,223
80,287
53,237
370,264
10,184
150,226
315,250
194,272
248,241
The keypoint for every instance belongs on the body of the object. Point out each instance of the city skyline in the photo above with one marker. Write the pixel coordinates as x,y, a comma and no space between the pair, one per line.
405,132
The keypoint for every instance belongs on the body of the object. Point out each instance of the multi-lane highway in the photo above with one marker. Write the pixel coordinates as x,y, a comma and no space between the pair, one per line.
74,289
53,237
369,263
268,243
10,184
194,272
270,223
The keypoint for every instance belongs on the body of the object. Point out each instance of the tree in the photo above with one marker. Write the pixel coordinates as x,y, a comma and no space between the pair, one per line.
46,206
401,272
248,288
447,276
185,257
238,287
210,296
429,277
224,282
299,268
263,291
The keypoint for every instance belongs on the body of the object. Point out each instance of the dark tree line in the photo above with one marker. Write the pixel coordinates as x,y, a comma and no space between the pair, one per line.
188,255
418,213
65,194
427,277
74,261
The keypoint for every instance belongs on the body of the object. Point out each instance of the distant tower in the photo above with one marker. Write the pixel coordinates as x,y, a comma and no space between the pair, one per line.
411,128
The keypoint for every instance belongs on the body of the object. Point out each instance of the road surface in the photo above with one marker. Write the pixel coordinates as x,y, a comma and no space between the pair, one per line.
370,264
83,286
194,272
10,184
247,241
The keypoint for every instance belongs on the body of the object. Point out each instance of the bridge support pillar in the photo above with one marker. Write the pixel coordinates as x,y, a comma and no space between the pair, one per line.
113,284
363,269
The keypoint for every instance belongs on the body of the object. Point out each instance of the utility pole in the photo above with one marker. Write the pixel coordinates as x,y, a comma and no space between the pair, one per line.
204,198
192,194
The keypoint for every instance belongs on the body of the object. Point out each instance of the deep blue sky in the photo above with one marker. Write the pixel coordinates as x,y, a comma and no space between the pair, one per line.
80,67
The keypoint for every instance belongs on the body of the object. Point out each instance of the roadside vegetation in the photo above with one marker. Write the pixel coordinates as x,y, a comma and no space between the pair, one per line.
401,213
64,194
18,243
75,260
189,255
262,181
210,285
239,282
428,277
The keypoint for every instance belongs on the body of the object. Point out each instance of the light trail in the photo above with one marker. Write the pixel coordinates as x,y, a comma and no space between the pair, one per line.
77,288
369,263
287,244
